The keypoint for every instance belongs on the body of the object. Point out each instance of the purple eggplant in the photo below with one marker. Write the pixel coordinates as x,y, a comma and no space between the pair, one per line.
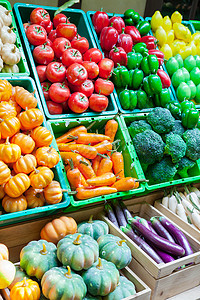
164,256
178,235
142,244
160,229
151,227
119,213
111,215
126,212
156,240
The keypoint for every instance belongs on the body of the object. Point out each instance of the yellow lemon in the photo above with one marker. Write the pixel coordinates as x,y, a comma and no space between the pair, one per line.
156,20
161,36
167,24
176,17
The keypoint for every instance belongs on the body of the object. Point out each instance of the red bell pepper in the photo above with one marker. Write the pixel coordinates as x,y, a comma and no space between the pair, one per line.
165,79
108,38
160,61
150,41
118,56
134,33
118,23
100,20
125,41
156,52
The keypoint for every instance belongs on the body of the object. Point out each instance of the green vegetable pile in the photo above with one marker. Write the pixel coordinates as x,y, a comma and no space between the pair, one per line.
166,150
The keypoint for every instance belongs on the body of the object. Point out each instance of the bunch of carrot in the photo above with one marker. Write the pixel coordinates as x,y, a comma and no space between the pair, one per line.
94,168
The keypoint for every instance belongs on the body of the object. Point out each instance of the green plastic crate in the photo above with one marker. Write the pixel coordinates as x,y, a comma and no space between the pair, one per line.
196,25
193,172
78,17
23,66
10,218
132,168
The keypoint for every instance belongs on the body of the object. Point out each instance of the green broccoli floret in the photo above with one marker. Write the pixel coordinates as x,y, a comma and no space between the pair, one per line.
161,120
162,171
149,146
175,146
137,127
177,129
192,139
184,165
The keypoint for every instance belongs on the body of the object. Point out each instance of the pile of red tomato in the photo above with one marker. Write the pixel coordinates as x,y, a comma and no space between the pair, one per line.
73,77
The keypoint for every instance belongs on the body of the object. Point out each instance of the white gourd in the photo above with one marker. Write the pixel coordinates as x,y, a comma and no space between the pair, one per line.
10,54
6,17
10,69
1,63
8,35
172,203
2,8
180,211
1,44
165,201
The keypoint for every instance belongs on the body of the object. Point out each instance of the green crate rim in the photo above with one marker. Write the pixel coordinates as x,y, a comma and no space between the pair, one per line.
195,24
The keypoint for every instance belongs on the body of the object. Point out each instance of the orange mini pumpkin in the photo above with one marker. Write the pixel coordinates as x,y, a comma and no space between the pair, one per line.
4,173
41,177
5,90
47,156
9,153
24,98
2,192
57,229
25,164
53,193
25,290
25,142
9,126
17,185
16,106
7,110
34,197
42,136
31,118
14,204
4,254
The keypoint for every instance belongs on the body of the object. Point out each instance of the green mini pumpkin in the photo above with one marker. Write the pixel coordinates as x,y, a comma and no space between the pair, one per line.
113,249
61,283
94,228
102,278
38,257
125,288
79,251
90,297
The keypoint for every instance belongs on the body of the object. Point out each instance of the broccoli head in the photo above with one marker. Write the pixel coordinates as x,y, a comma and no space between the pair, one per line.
192,139
161,120
162,171
177,129
149,146
175,146
184,165
137,127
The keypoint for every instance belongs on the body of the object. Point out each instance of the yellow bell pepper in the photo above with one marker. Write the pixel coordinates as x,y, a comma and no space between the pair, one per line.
176,45
161,36
156,20
193,48
198,49
182,32
185,52
167,24
196,38
167,51
170,36
176,17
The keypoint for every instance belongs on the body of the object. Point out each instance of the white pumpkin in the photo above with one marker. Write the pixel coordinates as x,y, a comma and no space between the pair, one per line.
10,69
10,54
6,17
7,35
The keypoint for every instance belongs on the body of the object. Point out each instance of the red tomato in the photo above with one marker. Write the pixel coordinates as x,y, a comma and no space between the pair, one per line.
103,87
65,106
52,35
59,92
55,72
41,70
49,43
26,25
49,27
36,35
93,54
71,56
80,43
66,30
76,74
59,18
43,54
106,67
60,45
87,88
45,88
78,102
92,69
54,108
98,103
40,16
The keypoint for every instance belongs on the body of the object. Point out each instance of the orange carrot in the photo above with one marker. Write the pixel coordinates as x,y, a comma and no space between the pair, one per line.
111,129
95,163
66,156
89,138
103,147
83,181
102,180
74,176
63,146
67,167
105,166
85,193
127,183
84,150
73,131
118,164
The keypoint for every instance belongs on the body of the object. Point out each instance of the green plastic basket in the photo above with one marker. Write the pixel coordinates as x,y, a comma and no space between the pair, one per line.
132,168
193,172
78,17
196,25
23,66
10,218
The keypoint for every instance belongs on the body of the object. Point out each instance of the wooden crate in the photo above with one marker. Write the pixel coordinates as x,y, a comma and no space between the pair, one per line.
17,236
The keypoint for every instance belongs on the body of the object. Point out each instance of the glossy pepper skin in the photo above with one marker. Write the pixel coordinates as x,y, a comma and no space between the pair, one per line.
125,41
134,33
134,60
190,118
131,17
144,27
120,76
149,65
117,23
143,101
136,79
108,38
152,85
156,52
100,20
141,48
165,79
150,41
187,105
128,99
118,56
175,109
163,98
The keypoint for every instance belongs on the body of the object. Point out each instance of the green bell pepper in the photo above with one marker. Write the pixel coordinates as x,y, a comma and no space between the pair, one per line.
150,64
183,92
187,105
120,76
197,96
152,85
172,65
128,99
143,101
190,118
144,27
141,48
175,109
131,17
119,90
134,60
136,79
163,99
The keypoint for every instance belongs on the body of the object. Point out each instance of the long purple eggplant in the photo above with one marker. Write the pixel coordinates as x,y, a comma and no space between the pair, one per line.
142,244
119,213
111,215
178,235
157,241
151,227
163,255
160,229
126,212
